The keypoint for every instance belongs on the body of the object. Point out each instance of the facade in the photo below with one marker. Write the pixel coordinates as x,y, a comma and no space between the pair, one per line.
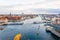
56,20
14,18
3,20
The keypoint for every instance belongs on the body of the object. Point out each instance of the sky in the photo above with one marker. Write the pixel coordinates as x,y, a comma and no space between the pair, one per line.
29,4
33,3
14,2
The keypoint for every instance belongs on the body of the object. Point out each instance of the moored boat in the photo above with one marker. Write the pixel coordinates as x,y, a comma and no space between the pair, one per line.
14,23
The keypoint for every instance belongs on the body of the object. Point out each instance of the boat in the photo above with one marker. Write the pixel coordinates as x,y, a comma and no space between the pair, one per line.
36,22
2,27
1,24
48,28
17,37
15,23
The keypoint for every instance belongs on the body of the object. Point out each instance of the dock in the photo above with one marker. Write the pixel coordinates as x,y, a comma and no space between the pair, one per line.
55,32
52,30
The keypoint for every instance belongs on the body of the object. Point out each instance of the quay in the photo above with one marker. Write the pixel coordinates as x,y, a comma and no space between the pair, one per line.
55,32
55,29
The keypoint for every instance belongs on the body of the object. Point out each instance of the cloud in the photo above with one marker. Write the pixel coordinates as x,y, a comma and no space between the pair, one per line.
53,4
25,4
14,2
19,5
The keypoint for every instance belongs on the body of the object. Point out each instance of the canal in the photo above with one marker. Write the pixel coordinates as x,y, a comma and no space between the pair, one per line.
28,31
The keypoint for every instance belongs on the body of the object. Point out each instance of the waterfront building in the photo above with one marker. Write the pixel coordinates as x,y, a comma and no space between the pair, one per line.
3,19
14,18
56,20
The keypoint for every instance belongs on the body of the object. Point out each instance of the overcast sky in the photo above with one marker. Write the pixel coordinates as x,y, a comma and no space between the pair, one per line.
26,4
42,3
14,2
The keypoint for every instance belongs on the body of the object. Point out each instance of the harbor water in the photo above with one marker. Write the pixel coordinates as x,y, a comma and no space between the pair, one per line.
28,30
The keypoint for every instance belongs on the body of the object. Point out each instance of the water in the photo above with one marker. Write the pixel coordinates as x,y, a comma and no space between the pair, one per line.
28,31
